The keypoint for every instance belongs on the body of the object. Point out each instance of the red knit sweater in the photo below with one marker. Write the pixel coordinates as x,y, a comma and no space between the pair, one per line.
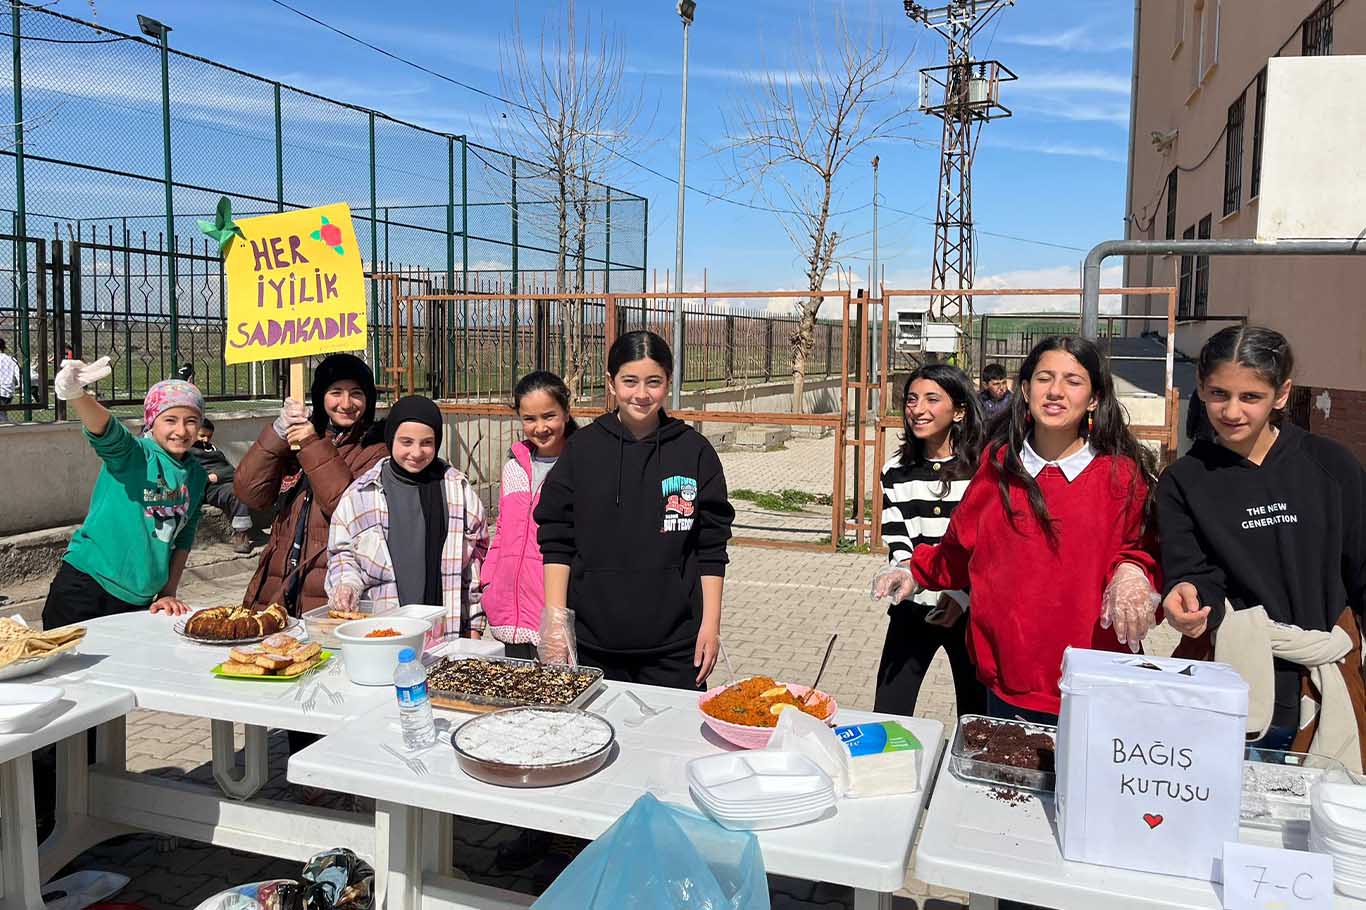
1031,599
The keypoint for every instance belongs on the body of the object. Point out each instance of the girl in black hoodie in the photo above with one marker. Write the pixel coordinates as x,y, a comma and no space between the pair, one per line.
633,523
1268,516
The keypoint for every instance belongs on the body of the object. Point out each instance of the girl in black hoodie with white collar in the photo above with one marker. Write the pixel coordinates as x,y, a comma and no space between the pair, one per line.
1268,516
633,524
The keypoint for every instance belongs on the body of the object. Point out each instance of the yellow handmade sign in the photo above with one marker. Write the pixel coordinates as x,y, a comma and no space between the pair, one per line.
296,286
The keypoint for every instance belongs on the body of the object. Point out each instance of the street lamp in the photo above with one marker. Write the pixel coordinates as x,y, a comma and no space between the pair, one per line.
158,31
686,10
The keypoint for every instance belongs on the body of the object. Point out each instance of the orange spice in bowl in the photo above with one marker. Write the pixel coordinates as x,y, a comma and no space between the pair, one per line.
383,633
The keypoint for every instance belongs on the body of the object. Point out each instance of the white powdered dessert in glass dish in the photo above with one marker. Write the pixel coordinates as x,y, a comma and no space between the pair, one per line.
534,736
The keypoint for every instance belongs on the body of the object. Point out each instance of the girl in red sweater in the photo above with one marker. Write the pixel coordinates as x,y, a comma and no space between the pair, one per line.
1050,535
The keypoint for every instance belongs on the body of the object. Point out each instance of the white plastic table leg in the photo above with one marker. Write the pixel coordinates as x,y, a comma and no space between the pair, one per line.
871,900
74,829
111,745
23,886
255,769
400,827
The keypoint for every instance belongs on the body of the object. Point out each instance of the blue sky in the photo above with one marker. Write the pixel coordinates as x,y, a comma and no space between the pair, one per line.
1055,172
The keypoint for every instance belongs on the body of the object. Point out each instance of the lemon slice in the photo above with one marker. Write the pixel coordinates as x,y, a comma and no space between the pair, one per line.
774,692
780,708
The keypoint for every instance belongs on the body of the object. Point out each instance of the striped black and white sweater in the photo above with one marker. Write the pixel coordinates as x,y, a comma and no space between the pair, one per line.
914,512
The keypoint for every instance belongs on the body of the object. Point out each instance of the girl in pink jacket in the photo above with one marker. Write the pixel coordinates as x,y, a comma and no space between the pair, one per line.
514,591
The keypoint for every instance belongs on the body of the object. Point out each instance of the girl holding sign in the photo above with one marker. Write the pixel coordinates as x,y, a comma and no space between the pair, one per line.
411,529
633,523
1050,534
1264,551
337,442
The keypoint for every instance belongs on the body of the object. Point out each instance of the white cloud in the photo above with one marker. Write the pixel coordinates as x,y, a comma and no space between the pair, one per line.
1065,149
1060,276
1077,38
1061,108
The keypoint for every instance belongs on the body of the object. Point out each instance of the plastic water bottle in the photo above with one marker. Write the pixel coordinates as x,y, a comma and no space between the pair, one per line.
414,708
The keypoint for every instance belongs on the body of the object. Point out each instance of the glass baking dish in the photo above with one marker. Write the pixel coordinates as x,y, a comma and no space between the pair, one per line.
965,763
571,687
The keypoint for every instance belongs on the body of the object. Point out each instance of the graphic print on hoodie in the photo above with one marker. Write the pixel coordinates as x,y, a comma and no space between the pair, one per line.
639,522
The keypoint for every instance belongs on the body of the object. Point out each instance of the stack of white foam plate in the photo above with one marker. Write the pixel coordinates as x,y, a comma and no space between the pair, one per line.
760,789
1337,826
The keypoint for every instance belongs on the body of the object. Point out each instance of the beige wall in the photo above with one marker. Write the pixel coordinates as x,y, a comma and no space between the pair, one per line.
1316,302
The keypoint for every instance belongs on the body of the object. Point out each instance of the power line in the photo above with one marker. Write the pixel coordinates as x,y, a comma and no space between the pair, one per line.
1058,246
518,105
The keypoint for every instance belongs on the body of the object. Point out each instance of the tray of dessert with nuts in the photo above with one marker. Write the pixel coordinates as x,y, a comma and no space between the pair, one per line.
482,684
1015,753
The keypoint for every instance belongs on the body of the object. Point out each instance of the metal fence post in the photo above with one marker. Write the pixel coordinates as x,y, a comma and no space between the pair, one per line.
516,278
730,349
170,206
374,248
21,221
644,261
450,262
607,265
59,314
465,259
279,154
768,350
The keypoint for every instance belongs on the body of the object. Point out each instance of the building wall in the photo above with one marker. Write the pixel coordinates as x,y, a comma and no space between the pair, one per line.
1316,302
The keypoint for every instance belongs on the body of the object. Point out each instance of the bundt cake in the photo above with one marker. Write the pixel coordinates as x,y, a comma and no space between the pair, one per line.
236,622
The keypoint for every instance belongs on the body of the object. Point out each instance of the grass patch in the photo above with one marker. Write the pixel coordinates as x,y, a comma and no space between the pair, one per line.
778,500
846,545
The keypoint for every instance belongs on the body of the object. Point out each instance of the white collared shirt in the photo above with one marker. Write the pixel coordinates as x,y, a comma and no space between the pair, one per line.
1071,466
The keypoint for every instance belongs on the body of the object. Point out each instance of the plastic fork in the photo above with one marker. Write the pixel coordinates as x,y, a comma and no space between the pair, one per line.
414,765
336,697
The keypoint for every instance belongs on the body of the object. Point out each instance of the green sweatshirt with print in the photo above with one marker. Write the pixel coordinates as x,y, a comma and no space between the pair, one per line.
144,506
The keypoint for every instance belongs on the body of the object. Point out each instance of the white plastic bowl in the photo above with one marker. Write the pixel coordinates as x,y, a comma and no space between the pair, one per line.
372,661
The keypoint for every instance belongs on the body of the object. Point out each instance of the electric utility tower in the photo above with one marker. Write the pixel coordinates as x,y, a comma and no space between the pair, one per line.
964,94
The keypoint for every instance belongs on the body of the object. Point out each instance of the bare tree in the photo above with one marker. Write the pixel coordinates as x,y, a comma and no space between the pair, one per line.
791,137
572,111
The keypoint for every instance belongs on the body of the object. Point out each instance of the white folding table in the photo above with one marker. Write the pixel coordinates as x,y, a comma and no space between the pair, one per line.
864,844
974,841
82,707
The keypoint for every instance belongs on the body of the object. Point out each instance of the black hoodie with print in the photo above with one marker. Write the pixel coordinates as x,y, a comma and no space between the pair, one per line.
639,522
1288,534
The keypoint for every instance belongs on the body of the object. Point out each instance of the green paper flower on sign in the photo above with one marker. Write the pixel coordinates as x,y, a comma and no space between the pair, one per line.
329,234
222,228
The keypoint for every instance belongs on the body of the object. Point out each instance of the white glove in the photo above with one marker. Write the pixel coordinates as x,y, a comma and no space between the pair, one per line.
896,583
557,637
292,413
75,375
345,598
1130,605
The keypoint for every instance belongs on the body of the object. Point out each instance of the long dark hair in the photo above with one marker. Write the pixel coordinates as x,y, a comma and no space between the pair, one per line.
552,385
1264,351
1108,433
965,436
640,345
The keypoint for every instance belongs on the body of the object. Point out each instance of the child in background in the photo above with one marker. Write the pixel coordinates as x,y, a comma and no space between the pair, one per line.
219,493
1261,526
1050,535
131,549
634,520
514,587
921,485
995,394
411,529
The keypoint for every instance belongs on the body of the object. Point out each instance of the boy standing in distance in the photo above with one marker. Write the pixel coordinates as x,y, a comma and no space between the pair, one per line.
219,492
994,394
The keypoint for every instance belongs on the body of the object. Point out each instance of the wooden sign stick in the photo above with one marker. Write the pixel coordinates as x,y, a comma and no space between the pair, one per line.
296,385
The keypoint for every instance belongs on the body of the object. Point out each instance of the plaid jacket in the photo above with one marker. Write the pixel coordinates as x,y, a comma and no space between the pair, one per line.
358,547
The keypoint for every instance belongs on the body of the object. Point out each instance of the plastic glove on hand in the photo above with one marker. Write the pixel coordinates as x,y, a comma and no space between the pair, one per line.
292,413
345,598
1129,604
75,375
895,583
557,642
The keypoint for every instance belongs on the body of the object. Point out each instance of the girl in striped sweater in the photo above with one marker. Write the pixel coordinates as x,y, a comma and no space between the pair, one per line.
921,485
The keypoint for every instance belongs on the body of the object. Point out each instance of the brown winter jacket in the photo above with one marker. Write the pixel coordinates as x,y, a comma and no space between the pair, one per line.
330,470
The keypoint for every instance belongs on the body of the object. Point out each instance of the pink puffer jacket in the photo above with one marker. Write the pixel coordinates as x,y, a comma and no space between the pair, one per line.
514,589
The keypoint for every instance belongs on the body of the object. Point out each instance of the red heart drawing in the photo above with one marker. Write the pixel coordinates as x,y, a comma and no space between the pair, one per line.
1152,820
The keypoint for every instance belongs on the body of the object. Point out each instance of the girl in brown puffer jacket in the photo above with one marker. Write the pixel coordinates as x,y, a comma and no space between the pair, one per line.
338,442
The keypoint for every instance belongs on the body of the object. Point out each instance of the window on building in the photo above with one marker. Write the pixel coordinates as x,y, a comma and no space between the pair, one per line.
1258,128
1200,304
1185,287
1206,32
1233,157
1171,206
1316,35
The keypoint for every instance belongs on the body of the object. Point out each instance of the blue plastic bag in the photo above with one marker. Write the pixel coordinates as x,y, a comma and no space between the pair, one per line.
658,857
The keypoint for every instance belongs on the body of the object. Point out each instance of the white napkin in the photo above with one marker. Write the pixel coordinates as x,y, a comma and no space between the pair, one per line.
803,734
